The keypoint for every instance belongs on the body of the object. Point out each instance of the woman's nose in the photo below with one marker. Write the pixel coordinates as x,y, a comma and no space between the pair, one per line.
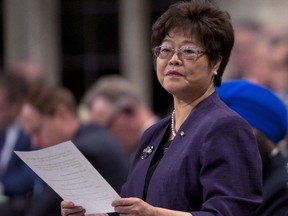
175,59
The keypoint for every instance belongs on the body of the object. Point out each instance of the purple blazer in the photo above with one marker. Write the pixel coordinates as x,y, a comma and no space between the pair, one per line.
213,168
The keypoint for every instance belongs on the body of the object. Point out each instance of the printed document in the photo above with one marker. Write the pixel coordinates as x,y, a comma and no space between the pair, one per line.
64,168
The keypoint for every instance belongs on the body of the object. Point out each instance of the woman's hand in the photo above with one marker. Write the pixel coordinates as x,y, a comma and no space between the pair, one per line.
137,207
123,206
133,207
68,208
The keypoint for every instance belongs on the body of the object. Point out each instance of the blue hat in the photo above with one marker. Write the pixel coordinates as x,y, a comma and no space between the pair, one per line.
261,108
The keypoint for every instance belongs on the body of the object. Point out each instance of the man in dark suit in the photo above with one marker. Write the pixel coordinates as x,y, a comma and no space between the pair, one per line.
16,178
49,117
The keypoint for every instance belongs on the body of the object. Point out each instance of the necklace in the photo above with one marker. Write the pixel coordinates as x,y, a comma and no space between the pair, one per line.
173,123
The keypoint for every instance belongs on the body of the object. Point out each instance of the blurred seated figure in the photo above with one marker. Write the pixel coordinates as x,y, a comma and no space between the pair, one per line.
49,117
267,114
113,101
16,178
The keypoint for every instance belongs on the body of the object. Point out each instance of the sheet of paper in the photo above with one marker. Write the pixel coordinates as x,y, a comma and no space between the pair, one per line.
70,174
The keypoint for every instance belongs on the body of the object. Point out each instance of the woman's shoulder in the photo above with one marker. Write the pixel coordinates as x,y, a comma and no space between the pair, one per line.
215,112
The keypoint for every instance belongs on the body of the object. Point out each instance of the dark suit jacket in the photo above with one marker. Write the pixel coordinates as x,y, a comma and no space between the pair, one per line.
103,152
18,179
214,168
275,188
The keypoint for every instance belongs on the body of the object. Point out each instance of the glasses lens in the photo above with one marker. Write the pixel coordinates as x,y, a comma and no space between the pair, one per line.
189,53
165,52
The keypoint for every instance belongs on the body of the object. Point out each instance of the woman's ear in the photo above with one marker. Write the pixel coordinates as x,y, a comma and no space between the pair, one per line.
217,63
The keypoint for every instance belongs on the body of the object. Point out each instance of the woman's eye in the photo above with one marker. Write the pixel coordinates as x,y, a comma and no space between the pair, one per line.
166,50
188,51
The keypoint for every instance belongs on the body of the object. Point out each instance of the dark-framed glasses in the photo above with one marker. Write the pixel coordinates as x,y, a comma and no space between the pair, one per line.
185,52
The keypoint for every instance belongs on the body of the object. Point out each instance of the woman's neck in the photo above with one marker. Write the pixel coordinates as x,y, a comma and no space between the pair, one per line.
182,108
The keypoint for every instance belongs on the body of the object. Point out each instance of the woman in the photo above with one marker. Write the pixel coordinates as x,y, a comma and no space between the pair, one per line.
203,160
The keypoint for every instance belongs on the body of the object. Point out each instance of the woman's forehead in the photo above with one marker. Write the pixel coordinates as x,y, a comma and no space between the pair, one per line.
188,36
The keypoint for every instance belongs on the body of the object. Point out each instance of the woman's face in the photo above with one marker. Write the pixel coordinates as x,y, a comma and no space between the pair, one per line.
184,78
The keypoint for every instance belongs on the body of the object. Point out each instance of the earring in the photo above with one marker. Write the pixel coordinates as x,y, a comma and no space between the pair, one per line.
215,73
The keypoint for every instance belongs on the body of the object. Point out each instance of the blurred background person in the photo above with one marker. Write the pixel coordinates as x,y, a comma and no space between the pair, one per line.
245,39
16,178
267,114
277,80
260,55
114,102
249,56
49,117
27,70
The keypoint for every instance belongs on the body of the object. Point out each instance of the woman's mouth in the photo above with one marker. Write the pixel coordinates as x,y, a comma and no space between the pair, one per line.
173,73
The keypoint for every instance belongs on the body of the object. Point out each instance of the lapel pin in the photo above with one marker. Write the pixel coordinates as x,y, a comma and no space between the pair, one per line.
147,151
182,133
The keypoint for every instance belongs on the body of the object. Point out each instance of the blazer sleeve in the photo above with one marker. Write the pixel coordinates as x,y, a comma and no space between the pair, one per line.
231,170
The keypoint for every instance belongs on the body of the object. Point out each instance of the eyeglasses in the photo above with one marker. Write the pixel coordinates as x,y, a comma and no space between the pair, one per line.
187,52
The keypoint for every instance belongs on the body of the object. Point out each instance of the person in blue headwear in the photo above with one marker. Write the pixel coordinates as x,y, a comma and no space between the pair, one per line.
267,114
